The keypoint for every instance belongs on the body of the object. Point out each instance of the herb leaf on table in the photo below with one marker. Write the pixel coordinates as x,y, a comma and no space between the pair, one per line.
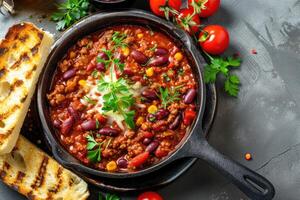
219,65
70,12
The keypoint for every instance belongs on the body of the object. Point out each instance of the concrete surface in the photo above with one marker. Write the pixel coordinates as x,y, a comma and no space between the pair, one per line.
263,120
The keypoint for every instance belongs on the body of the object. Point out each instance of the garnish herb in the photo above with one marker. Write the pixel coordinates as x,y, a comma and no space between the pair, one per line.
169,96
153,48
95,74
70,12
220,65
109,196
89,100
94,149
111,60
97,124
118,39
118,99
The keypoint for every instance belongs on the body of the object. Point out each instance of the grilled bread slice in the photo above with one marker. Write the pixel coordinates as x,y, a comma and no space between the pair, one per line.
22,55
34,174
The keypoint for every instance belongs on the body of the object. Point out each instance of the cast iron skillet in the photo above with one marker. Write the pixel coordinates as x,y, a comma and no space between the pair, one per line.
193,145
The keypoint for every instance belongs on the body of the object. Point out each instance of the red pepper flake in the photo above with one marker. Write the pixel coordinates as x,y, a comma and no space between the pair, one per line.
253,51
248,156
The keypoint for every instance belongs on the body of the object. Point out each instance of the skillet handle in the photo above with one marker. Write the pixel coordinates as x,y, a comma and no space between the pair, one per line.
251,183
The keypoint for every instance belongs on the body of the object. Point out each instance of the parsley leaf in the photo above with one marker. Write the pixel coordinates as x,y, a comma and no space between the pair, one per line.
89,100
118,39
70,12
109,196
94,149
222,65
117,98
169,96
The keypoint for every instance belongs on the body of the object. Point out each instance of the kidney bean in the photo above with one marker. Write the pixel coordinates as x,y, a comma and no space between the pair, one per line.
109,131
159,60
67,125
56,123
149,94
189,96
100,67
73,112
103,55
161,113
128,71
147,141
160,51
175,123
89,125
69,74
139,57
152,146
122,163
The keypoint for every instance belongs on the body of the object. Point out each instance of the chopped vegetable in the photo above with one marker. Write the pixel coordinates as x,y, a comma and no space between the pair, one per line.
111,166
178,56
138,160
189,116
150,72
152,109
109,196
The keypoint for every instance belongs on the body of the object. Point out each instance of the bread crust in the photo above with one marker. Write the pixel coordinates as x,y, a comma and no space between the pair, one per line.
34,174
23,53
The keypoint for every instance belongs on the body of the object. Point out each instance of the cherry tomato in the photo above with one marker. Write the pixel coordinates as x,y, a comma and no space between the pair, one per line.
214,39
159,7
188,20
207,9
149,196
138,160
189,116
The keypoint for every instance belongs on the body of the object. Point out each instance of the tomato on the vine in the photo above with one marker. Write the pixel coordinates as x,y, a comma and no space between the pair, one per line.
165,7
188,20
206,8
149,196
214,39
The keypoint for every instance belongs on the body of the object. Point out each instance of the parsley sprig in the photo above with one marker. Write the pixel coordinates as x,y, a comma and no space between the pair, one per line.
109,196
118,39
168,96
111,60
70,12
94,149
219,65
117,98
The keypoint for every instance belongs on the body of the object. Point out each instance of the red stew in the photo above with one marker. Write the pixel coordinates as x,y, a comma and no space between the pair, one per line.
123,98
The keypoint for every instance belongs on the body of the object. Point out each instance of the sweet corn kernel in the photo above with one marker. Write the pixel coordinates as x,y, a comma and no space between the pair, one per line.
152,109
149,71
125,51
82,83
111,166
140,35
139,121
178,56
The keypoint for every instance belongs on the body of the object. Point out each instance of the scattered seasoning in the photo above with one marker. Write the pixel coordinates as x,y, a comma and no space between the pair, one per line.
248,156
253,51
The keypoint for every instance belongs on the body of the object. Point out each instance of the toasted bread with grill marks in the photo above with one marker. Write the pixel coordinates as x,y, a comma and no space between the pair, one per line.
23,53
36,175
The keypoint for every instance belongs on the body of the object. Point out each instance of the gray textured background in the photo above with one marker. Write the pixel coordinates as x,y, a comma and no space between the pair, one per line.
264,120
